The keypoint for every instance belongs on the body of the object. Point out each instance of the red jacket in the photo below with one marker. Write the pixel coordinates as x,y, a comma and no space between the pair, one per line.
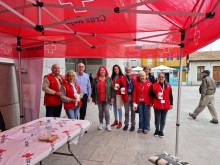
144,90
70,94
122,82
53,100
166,96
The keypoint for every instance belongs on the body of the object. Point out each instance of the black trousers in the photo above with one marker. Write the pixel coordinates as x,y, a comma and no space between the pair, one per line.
83,107
53,111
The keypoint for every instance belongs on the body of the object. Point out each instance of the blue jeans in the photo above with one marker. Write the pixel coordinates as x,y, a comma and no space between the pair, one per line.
160,119
144,123
117,111
73,113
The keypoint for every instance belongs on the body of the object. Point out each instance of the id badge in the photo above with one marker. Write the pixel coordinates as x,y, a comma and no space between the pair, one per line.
162,101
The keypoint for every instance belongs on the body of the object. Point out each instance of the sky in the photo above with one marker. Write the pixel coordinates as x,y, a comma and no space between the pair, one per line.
212,47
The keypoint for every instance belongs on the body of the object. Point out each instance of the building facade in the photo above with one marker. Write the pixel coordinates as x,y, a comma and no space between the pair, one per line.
171,76
200,61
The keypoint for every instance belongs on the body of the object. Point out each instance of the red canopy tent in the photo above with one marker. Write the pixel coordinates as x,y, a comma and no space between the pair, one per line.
97,28
111,28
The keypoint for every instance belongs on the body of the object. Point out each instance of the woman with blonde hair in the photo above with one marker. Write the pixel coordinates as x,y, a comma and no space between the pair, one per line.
72,95
141,98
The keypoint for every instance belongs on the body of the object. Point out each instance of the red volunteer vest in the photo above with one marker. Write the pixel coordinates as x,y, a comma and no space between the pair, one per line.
70,94
53,100
166,96
144,90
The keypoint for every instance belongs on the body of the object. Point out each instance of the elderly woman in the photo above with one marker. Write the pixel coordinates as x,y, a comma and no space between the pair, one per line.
141,98
161,92
103,95
72,95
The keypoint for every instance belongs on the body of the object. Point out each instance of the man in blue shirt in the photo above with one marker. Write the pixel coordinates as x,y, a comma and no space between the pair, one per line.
84,82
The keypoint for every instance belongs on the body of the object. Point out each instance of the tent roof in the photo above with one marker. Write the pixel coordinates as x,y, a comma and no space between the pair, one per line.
97,28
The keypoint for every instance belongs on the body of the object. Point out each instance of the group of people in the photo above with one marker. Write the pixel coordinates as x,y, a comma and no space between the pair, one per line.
133,92
73,90
136,93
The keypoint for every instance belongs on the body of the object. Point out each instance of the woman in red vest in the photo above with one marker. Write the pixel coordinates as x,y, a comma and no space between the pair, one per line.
121,93
161,92
72,95
141,98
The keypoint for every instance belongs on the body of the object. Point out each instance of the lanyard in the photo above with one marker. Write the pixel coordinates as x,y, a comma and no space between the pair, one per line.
128,80
162,88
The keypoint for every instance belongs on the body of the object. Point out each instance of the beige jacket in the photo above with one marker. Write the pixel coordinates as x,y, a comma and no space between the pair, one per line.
208,86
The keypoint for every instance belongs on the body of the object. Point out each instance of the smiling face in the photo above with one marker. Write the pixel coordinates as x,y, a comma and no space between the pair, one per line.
147,71
55,69
116,70
128,71
80,68
142,76
102,72
161,78
71,77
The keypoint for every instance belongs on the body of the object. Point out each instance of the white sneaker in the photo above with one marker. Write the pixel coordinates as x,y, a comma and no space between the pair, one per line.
108,128
100,126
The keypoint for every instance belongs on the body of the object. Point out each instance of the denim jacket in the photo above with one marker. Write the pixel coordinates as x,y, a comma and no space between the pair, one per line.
109,89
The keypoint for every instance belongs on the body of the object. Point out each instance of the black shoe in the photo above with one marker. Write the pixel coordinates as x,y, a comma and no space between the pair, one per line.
161,135
125,128
214,121
191,115
156,133
132,128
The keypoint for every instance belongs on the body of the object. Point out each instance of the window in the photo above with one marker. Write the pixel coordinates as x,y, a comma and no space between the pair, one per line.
200,69
170,59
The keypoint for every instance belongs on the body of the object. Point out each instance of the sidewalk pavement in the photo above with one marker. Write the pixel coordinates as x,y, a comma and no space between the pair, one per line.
199,140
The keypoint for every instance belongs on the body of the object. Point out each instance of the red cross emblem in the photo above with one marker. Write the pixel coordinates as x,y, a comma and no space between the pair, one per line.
50,48
27,155
66,132
4,136
80,3
1,151
6,48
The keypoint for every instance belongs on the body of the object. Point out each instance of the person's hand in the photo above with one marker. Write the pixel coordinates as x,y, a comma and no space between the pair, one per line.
88,100
171,106
59,93
112,100
72,100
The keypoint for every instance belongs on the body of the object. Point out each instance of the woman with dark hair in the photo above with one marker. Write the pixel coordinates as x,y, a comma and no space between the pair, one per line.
161,92
103,95
121,95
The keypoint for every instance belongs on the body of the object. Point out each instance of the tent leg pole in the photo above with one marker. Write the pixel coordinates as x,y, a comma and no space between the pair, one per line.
178,104
20,80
